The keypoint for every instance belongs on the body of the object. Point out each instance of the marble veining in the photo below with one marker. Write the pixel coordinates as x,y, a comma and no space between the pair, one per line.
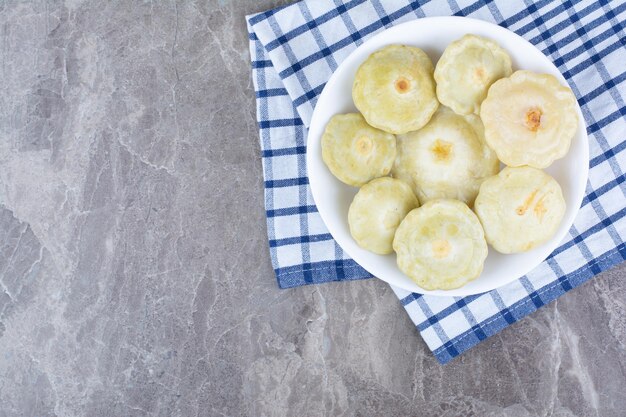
134,272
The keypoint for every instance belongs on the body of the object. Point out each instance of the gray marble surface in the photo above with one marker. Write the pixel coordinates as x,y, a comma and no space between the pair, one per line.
134,271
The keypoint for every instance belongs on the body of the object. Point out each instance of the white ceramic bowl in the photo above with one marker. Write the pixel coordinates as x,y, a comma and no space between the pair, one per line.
333,197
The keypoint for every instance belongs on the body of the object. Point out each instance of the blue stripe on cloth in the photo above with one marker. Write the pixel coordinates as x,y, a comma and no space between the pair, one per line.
609,153
435,318
268,153
289,211
272,92
410,298
307,41
264,124
261,64
289,182
309,95
300,239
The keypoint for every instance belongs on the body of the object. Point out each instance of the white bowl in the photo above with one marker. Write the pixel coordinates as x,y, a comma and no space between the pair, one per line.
333,197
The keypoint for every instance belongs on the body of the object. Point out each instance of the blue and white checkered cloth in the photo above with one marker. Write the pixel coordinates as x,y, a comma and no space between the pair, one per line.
296,48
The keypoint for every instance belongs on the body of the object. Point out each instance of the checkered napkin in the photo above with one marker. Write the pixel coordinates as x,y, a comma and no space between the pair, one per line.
296,48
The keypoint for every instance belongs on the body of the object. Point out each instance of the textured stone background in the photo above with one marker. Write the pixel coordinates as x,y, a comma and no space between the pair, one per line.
134,271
